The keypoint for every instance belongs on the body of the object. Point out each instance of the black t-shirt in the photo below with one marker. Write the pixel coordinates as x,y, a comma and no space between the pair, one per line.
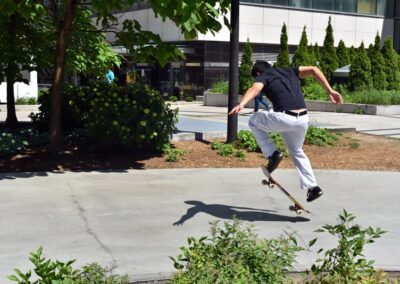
282,88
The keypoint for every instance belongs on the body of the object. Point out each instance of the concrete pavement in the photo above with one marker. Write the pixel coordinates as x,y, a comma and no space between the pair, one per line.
127,218
197,118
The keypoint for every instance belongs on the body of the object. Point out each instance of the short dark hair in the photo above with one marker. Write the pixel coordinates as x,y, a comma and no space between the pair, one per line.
259,67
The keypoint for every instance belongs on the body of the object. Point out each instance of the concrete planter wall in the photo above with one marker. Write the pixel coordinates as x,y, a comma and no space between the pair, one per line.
221,100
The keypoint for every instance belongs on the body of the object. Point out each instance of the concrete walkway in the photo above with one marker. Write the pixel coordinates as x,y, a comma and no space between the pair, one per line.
136,219
195,118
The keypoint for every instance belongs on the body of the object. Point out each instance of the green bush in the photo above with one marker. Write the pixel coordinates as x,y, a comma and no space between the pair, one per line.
220,87
173,99
15,141
345,263
245,78
320,137
135,115
189,99
172,155
246,140
48,271
226,149
314,91
234,255
374,97
26,101
277,139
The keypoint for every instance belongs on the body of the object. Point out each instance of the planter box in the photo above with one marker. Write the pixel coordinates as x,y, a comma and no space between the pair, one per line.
221,100
350,108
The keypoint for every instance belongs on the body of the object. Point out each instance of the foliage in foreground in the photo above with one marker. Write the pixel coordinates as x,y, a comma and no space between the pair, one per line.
345,263
234,255
47,271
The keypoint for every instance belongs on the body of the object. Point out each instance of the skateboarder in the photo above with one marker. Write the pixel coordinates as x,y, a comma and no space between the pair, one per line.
289,116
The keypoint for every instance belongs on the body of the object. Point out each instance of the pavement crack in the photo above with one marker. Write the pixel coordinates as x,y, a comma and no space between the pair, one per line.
81,213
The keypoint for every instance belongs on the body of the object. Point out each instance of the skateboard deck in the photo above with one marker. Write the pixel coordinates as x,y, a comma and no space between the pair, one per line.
271,182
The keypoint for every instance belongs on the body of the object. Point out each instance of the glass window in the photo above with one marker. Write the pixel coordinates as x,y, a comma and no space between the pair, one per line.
277,2
300,3
349,6
385,8
324,4
253,1
367,7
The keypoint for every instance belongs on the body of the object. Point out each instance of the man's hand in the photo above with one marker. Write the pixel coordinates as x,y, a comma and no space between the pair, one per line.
236,109
336,97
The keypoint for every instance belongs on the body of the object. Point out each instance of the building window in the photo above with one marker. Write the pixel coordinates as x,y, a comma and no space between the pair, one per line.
300,3
277,2
385,8
349,6
324,5
366,7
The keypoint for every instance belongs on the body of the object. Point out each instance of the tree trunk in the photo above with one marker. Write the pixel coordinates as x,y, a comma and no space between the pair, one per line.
64,32
11,120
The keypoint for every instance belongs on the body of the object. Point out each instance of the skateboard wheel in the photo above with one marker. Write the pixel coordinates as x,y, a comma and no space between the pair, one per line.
264,182
291,208
299,212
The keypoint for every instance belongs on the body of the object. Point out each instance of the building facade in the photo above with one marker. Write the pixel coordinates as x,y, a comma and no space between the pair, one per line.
353,21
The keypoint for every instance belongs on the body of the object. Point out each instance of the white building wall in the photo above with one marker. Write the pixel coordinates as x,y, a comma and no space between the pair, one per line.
21,90
263,25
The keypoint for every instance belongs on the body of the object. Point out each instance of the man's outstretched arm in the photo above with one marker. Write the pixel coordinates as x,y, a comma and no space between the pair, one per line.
306,71
248,96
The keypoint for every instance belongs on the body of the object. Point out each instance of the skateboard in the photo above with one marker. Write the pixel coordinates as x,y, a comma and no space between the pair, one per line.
271,182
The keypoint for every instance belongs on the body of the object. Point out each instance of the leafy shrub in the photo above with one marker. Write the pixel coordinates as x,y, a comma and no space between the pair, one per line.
246,140
173,99
173,155
320,137
48,271
314,91
133,115
374,97
226,149
26,101
189,99
234,255
220,87
345,263
15,141
277,139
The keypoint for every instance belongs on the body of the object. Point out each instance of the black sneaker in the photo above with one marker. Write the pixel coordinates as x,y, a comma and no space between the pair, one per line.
273,161
313,193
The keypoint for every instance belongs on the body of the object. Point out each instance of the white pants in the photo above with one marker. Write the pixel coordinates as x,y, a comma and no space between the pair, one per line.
293,130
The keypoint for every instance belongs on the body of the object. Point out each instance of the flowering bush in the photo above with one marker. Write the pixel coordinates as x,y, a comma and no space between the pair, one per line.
135,115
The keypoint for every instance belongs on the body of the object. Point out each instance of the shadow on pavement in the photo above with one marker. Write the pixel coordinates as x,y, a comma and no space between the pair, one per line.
229,212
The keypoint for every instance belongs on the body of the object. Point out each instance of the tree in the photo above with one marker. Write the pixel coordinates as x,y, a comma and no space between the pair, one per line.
328,60
317,53
342,54
352,53
360,71
301,56
283,59
190,16
245,78
311,54
377,65
20,45
391,67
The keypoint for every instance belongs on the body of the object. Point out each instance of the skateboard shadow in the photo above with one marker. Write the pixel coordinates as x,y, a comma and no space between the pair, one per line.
229,212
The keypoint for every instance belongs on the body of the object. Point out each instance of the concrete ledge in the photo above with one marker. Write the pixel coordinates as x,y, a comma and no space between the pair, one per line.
221,100
350,108
33,108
